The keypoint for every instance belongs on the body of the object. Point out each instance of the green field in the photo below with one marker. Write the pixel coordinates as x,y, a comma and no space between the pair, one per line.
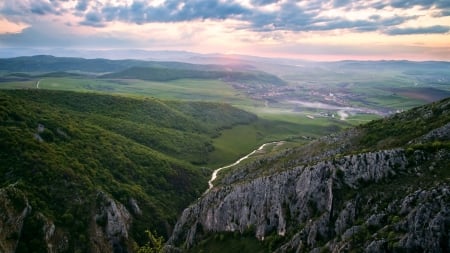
293,128
184,89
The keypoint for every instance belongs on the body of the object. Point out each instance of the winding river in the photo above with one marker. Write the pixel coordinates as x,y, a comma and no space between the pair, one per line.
214,174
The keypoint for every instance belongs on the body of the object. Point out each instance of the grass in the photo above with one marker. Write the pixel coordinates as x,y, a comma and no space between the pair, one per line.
184,89
236,142
241,140
361,118
18,85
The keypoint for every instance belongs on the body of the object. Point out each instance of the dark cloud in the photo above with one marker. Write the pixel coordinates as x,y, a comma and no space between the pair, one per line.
359,25
173,11
425,4
41,8
93,19
212,9
418,30
341,3
82,5
379,5
411,3
444,13
291,15
397,20
263,2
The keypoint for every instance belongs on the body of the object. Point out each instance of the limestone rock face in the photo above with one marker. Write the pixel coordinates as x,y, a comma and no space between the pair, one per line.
109,227
110,224
330,205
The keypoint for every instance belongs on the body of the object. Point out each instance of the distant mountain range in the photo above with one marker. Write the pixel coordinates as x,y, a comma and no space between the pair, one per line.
135,69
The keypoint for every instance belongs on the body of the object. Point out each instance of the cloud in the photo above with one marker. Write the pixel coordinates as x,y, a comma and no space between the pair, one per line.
264,2
93,19
50,34
43,8
173,11
411,3
22,8
437,29
250,24
341,3
82,5
424,4
7,26
444,13
259,15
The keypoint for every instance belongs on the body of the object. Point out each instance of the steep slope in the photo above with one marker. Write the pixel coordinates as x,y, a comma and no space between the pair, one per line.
89,172
381,187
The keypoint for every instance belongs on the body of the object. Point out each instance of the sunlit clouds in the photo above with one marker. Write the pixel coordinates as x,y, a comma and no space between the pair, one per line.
342,29
7,26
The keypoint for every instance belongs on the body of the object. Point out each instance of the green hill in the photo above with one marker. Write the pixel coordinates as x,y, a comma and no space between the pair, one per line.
48,63
100,169
169,74
50,66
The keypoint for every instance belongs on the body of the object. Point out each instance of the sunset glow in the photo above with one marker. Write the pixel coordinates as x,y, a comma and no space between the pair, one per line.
314,30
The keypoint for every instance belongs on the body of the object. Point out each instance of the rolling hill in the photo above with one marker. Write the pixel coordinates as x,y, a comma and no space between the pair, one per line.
168,74
50,66
89,172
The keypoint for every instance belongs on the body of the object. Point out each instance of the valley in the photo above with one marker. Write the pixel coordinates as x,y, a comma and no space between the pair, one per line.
94,152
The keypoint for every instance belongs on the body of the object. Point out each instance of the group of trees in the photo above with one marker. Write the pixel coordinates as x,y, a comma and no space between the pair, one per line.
127,148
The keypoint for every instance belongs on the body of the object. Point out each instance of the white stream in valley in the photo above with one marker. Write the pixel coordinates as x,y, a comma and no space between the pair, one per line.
214,174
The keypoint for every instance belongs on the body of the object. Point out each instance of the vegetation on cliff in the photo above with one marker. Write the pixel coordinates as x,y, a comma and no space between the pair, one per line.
382,187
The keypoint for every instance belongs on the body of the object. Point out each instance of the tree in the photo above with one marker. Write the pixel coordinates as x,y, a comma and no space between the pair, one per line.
154,245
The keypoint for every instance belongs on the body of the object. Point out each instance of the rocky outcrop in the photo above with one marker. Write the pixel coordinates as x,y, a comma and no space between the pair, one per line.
14,208
331,205
110,226
56,239
440,134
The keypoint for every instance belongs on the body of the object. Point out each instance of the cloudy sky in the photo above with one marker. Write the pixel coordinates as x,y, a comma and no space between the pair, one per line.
304,29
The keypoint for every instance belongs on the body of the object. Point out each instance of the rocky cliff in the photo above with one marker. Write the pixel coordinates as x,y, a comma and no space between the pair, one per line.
14,208
109,227
386,193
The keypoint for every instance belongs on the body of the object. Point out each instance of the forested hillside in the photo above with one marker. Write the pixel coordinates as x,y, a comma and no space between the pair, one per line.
89,172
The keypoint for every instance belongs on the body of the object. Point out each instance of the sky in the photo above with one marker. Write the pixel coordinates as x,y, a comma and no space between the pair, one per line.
298,29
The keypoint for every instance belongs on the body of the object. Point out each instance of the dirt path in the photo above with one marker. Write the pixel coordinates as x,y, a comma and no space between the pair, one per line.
214,174
37,84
